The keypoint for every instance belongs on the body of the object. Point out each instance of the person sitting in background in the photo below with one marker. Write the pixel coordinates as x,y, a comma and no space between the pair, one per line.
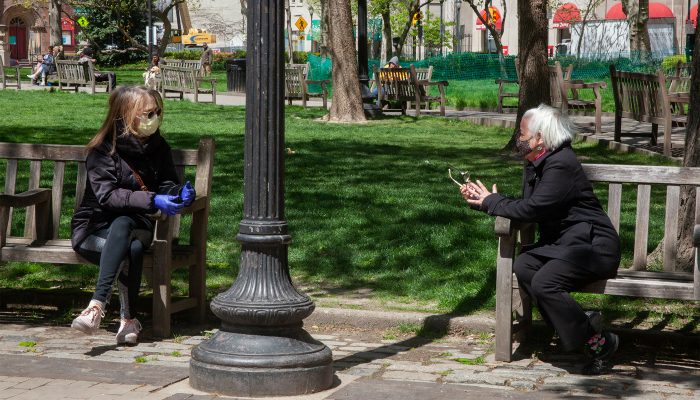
43,67
393,63
86,56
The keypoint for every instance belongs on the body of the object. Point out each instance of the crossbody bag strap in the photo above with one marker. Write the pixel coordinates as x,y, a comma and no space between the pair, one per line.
137,177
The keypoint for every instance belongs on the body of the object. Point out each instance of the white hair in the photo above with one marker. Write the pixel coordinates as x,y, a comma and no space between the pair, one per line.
554,127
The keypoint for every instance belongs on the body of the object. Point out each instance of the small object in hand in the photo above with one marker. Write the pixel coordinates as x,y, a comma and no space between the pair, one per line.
464,176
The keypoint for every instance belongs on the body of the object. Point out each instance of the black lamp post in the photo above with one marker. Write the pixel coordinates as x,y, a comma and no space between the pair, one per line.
261,349
362,69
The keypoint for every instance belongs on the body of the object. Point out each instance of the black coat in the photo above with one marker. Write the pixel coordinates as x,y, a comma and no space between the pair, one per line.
112,189
572,224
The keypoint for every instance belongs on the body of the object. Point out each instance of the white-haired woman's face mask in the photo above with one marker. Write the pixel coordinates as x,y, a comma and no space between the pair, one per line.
528,143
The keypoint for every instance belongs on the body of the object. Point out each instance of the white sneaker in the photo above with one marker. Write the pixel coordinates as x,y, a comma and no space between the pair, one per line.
89,320
129,331
30,76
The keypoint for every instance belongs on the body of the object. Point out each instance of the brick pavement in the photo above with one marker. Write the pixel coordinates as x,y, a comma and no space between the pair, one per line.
52,362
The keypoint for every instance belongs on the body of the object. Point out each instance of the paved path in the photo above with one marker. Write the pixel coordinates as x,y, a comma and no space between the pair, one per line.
48,360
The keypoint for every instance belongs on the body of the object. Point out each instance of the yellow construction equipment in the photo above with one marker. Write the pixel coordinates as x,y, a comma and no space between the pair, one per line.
195,37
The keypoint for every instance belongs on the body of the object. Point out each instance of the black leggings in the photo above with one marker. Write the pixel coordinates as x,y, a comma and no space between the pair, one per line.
118,249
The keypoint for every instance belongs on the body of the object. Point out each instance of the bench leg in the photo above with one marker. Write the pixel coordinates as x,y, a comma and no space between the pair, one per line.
161,288
198,272
618,127
504,299
654,134
667,138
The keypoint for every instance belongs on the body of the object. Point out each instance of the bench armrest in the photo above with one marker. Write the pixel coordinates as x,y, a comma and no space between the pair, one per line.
321,82
434,83
198,204
25,199
211,80
594,85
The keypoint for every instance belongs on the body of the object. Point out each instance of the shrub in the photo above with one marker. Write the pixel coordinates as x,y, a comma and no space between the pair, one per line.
669,63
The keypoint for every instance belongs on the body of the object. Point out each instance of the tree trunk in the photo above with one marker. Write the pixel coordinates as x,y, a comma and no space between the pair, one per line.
637,16
55,36
347,102
685,256
387,46
532,56
325,27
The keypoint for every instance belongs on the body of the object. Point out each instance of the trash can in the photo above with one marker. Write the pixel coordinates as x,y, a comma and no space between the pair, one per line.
235,75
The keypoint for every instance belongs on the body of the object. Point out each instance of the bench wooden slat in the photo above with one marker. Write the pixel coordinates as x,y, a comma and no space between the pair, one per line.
10,183
643,288
642,174
641,231
614,203
27,151
59,169
34,178
669,276
80,185
670,246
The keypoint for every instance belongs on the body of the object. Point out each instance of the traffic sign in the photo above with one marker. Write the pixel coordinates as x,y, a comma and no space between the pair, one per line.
82,21
301,23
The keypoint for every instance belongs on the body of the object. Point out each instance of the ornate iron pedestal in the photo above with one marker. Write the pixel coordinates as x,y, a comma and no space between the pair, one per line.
261,349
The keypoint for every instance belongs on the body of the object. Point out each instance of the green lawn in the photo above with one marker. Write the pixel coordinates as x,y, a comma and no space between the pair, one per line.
368,206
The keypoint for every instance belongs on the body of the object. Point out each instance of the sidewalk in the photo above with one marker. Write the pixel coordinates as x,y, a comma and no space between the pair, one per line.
40,359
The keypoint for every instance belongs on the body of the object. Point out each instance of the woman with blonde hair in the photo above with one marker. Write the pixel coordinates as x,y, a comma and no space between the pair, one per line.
577,242
131,177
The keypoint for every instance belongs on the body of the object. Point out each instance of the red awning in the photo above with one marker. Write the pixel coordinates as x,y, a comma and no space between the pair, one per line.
495,17
565,15
694,14
656,10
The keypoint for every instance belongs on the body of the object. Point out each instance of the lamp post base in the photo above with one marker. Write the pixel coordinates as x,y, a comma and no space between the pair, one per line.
279,362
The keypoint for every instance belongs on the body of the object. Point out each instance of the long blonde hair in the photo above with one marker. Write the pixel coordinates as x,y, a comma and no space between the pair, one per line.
125,105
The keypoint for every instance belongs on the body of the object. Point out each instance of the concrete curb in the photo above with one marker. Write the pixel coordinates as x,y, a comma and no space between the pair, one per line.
381,320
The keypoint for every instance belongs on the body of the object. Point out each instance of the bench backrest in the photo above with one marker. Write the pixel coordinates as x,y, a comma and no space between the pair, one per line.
294,80
644,178
424,74
194,65
303,67
44,156
639,96
557,84
178,78
398,83
679,82
69,71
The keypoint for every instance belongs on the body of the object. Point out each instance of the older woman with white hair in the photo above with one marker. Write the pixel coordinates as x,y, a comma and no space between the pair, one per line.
577,242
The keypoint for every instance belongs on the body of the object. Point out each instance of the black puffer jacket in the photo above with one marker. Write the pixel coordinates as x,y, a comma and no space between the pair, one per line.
112,189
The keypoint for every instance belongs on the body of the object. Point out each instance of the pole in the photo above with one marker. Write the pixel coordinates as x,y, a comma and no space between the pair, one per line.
149,31
442,27
362,69
261,348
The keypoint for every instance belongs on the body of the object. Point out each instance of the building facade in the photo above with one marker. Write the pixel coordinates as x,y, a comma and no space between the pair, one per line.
24,32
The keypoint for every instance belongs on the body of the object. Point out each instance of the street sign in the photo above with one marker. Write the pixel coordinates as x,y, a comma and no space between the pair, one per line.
301,23
82,21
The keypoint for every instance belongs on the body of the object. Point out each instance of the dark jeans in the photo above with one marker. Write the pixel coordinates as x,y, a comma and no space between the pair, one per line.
118,249
548,281
104,77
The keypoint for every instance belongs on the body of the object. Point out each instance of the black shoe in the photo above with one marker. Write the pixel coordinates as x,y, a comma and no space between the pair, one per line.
595,318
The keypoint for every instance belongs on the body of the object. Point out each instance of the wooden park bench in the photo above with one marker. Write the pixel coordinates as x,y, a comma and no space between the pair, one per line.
298,87
9,76
39,237
401,85
644,98
564,93
185,80
636,281
506,89
76,74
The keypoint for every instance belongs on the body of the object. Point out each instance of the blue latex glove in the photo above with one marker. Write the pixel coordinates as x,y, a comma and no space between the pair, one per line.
167,204
187,194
